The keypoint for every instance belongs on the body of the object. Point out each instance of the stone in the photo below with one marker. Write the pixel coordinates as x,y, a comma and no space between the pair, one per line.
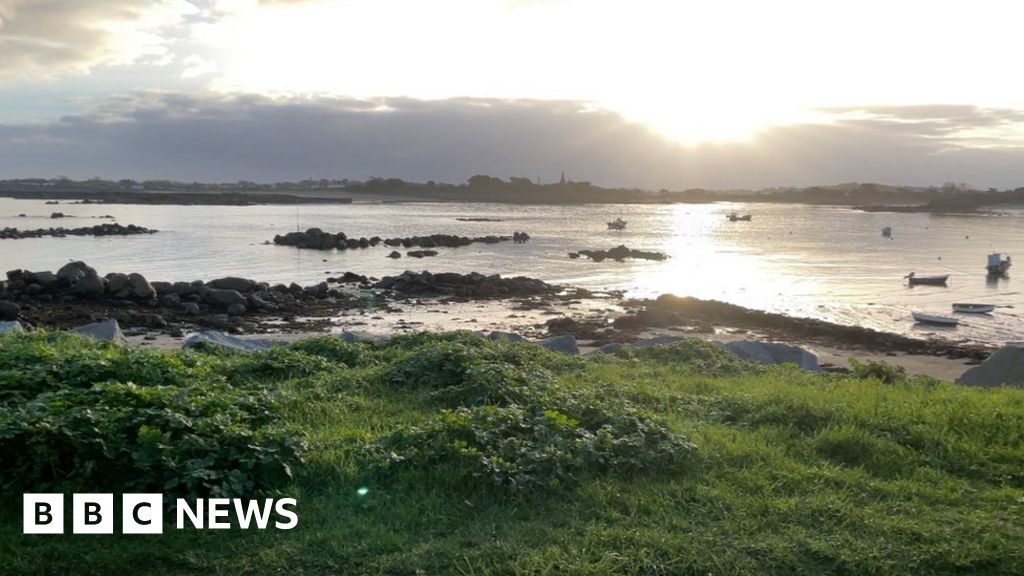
610,348
140,287
235,283
224,297
565,344
395,254
9,310
117,282
190,309
226,340
108,330
236,309
772,353
11,327
82,279
1004,367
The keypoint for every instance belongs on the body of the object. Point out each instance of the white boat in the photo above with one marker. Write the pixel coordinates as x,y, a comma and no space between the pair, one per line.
617,224
932,319
997,265
973,308
887,232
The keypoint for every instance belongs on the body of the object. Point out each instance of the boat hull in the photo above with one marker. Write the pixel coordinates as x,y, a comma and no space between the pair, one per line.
973,308
936,320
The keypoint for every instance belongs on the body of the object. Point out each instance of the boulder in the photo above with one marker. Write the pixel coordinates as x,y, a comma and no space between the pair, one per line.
140,287
190,309
235,283
223,297
236,309
82,279
565,344
1004,367
225,340
9,310
610,348
11,327
117,284
772,353
108,330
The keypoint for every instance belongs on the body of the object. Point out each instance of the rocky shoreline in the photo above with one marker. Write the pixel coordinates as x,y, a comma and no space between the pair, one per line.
76,294
98,230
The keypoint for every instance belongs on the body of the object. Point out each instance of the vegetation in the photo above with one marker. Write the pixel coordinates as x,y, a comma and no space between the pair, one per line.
452,454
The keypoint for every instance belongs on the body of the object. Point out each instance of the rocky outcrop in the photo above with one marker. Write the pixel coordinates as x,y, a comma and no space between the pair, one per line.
317,239
421,253
1005,367
472,284
98,230
79,282
619,253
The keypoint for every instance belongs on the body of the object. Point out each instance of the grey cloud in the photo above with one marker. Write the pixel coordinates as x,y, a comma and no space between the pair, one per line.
52,37
193,137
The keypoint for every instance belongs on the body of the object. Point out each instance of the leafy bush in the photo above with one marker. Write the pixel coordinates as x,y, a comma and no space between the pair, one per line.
517,448
336,350
274,364
703,357
886,373
204,440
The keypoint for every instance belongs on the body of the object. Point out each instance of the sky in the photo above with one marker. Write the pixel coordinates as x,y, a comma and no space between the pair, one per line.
639,93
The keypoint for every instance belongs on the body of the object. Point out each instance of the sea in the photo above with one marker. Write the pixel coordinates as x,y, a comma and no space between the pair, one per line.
826,262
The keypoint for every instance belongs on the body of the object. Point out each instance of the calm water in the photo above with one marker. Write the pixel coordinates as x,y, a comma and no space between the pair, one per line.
823,262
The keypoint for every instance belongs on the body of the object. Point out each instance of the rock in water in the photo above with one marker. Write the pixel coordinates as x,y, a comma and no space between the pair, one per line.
1004,367
108,330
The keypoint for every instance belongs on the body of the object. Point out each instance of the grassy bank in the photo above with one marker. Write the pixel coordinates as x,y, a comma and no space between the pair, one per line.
449,454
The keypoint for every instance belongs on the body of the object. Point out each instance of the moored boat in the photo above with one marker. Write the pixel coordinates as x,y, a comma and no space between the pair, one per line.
617,224
887,232
966,308
933,319
734,217
938,280
997,265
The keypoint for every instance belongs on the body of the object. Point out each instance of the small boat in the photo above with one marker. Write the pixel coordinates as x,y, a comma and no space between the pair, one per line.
932,319
914,279
997,265
973,308
617,224
887,232
734,217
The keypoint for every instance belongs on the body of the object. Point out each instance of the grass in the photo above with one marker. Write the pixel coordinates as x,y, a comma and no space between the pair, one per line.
449,454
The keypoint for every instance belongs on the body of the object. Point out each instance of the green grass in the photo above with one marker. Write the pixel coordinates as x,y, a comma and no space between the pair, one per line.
495,458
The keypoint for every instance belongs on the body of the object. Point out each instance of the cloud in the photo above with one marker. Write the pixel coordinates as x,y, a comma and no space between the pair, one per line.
48,38
231,137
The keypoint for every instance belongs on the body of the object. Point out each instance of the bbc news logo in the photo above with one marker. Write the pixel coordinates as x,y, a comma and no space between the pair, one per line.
144,513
